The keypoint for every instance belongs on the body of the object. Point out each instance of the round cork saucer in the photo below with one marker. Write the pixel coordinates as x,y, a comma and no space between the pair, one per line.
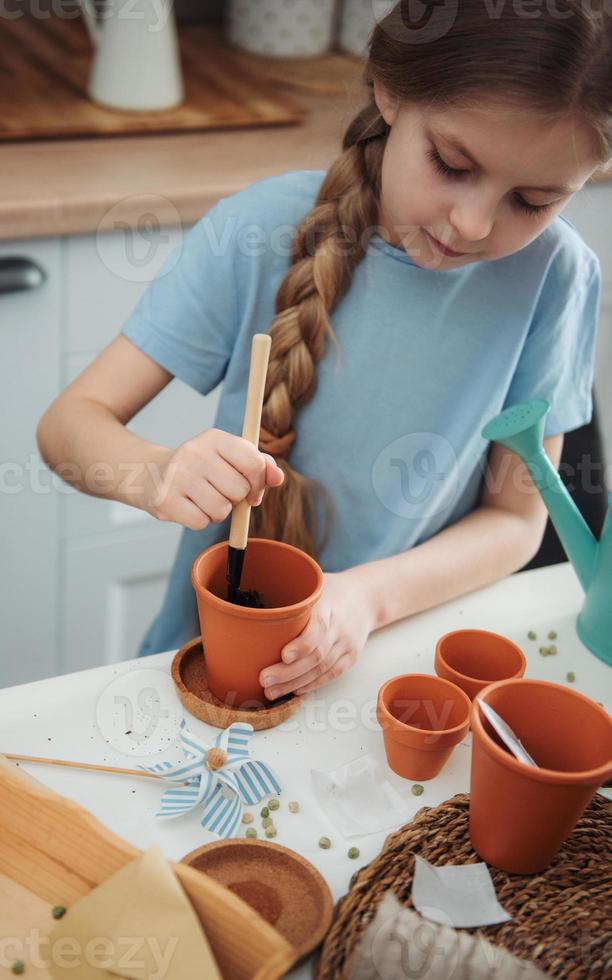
189,676
281,886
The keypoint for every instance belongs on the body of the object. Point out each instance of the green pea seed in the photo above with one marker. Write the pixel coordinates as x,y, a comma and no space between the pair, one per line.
267,822
270,831
531,635
552,650
294,807
18,967
417,789
247,818
324,842
58,911
570,676
353,852
273,804
265,812
552,635
543,651
250,832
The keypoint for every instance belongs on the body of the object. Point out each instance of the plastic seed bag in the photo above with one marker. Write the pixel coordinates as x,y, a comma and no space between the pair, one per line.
358,798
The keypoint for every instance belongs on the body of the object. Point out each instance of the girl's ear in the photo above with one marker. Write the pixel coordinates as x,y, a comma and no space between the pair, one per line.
386,103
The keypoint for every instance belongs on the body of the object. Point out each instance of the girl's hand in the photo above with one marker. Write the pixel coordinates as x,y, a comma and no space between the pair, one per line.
202,480
329,644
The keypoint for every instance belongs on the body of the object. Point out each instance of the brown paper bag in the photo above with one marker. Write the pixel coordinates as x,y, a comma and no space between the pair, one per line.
137,924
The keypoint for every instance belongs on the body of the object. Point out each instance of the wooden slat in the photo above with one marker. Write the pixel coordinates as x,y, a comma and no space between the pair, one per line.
58,851
48,62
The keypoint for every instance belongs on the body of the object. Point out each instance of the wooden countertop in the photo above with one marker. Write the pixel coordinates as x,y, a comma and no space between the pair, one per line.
64,187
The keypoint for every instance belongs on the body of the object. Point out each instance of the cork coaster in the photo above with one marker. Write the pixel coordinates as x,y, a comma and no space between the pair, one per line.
189,676
281,886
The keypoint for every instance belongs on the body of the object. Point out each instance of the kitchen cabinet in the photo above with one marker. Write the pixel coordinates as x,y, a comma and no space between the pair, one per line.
30,326
81,577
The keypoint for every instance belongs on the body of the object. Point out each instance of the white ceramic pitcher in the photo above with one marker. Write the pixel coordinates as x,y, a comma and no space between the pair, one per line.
136,64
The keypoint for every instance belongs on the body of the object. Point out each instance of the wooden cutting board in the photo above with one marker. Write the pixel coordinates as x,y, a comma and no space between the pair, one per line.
53,851
44,67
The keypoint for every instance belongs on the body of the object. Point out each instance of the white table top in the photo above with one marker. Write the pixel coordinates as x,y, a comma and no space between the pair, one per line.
57,718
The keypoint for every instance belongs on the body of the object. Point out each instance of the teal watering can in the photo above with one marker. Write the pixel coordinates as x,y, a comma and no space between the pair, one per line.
521,429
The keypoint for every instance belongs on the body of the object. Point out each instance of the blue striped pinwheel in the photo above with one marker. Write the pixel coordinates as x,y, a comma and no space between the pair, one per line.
222,778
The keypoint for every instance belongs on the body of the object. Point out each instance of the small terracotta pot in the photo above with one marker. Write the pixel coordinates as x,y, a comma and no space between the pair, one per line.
473,659
520,816
422,718
239,641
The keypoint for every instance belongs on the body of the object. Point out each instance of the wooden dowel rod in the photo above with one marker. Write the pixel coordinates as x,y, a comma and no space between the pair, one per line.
81,765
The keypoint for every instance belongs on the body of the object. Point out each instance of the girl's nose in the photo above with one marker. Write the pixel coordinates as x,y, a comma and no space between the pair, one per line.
472,220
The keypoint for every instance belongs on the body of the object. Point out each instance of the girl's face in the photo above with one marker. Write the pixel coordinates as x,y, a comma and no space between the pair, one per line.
493,196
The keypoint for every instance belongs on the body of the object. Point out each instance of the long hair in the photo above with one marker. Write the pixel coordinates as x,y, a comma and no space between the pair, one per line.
557,64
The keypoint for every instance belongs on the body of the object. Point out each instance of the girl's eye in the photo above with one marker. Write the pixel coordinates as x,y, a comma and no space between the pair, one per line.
442,167
535,210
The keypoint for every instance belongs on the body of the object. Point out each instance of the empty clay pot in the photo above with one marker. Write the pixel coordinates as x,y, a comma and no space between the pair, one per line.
473,659
422,718
239,641
520,816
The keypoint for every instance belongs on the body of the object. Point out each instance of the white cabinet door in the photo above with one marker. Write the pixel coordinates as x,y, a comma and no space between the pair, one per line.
29,381
114,559
591,212
113,586
176,414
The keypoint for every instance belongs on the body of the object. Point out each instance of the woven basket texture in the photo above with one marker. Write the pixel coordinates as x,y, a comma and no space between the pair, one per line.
561,917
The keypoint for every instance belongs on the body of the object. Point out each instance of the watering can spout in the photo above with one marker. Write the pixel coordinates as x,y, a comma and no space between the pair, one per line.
521,429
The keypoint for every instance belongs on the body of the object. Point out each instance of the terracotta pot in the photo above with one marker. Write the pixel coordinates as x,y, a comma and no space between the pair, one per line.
520,816
473,659
240,641
422,718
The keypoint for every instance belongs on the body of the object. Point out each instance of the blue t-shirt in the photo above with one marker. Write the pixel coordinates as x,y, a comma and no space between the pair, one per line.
426,358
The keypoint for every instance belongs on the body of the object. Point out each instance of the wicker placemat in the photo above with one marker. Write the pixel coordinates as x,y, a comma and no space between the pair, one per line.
561,918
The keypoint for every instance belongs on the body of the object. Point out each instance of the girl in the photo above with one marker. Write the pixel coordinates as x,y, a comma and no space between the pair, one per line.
434,256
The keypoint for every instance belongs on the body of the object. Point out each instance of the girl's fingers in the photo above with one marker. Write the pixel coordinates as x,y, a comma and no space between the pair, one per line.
283,676
214,504
342,663
323,661
185,512
274,475
309,643
228,481
244,457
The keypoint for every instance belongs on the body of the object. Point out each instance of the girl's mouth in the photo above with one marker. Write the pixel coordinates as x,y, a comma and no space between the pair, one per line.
442,248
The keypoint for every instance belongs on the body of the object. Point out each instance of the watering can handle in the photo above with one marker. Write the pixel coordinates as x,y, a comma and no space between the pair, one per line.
91,21
260,355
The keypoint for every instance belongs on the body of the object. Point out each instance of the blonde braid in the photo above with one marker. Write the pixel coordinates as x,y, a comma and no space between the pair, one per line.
329,244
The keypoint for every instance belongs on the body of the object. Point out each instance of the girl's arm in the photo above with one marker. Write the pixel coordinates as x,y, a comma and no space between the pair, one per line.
496,539
83,434
83,437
